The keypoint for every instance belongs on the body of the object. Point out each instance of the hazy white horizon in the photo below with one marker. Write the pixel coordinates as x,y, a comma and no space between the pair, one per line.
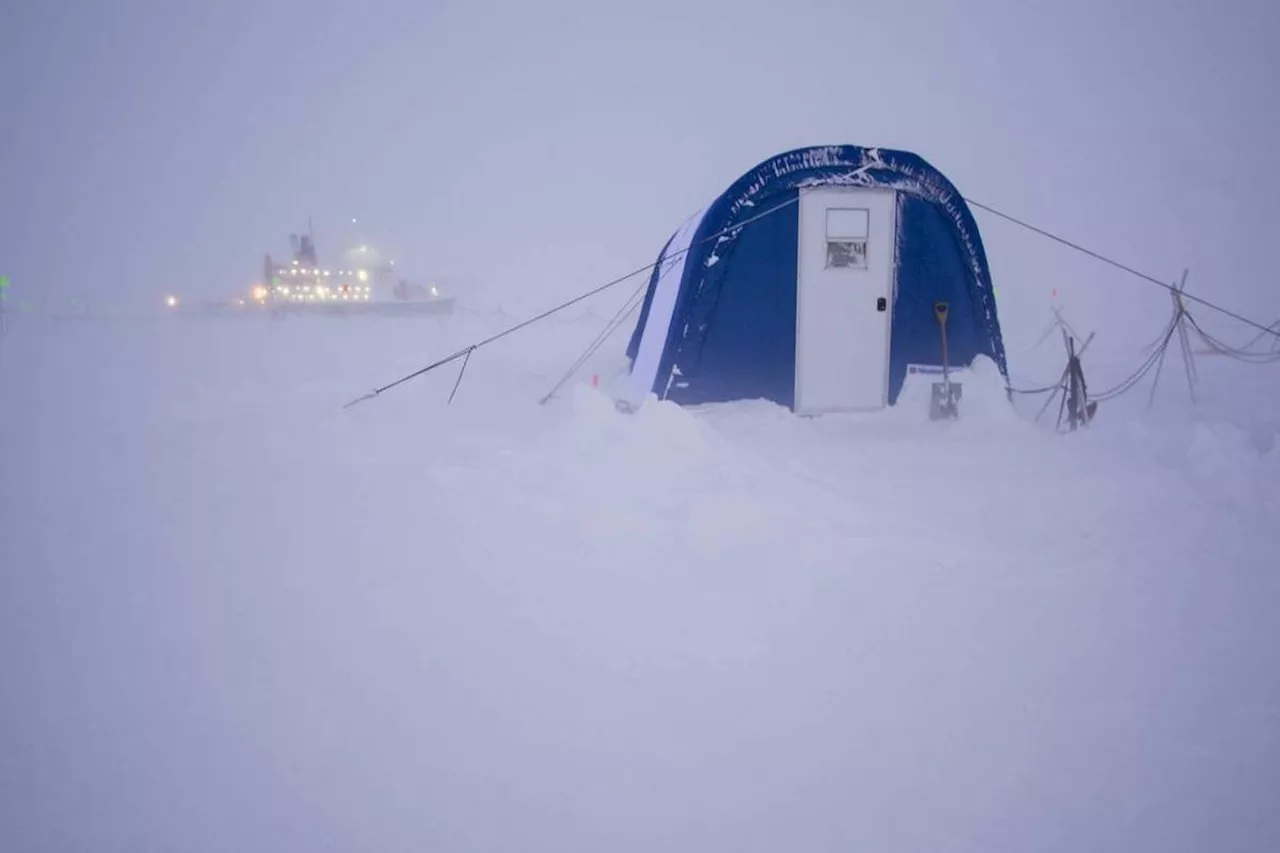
538,150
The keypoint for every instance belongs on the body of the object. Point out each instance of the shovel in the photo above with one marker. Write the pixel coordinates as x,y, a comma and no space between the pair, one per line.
946,394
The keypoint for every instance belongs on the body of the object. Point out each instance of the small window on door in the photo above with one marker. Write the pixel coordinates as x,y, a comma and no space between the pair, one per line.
847,232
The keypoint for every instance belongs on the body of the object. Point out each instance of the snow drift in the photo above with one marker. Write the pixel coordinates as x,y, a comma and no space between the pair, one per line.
236,617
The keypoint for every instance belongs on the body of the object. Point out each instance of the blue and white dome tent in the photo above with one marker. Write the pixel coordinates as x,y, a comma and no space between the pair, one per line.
819,291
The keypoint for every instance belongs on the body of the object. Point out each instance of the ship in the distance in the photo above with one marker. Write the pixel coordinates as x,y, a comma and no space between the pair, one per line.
360,283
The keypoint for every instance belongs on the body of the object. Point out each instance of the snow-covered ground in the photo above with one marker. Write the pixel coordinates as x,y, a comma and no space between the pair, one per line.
234,616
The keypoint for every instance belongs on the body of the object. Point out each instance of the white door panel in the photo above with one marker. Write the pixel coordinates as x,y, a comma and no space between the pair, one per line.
844,293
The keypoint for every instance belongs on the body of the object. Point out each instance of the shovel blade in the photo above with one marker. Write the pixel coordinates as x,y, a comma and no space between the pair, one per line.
944,402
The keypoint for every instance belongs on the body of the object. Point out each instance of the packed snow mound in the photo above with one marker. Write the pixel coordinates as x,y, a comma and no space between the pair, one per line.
657,433
1224,460
490,624
983,399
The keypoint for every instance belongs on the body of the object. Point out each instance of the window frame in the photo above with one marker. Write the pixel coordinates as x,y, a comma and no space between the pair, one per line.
845,242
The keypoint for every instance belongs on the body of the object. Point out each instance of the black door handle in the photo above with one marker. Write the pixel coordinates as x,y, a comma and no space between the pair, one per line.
881,304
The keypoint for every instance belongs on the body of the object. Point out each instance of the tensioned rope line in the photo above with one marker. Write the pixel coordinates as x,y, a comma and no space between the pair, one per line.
1044,389
1156,357
467,350
1233,315
1158,348
1274,344
1242,355
633,302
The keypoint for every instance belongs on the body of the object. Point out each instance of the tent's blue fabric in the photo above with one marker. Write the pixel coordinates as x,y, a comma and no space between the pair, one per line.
732,333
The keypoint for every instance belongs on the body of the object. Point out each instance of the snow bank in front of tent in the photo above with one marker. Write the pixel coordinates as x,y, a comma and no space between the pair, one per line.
983,399
667,475
498,625
1234,467
1225,461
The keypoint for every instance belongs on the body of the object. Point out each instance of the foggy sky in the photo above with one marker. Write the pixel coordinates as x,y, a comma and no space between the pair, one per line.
539,148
